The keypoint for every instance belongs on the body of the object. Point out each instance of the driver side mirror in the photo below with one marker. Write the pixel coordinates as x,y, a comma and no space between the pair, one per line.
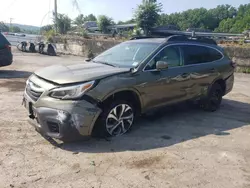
161,65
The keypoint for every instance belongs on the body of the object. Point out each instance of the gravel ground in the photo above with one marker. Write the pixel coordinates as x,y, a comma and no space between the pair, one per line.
179,147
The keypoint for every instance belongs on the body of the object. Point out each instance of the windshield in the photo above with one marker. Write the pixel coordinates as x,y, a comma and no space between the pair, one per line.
128,54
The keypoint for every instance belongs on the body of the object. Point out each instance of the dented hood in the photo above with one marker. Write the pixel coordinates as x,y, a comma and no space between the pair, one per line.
62,74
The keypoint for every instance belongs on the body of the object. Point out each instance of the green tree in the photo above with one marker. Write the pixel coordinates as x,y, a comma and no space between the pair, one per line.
126,22
201,17
104,22
3,27
63,23
237,23
46,28
79,20
147,14
225,25
15,29
90,17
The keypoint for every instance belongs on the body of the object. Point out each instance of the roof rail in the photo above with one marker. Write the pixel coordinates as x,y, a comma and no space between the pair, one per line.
165,32
141,37
182,38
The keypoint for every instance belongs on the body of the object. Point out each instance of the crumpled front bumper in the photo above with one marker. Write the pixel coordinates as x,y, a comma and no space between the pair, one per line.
62,119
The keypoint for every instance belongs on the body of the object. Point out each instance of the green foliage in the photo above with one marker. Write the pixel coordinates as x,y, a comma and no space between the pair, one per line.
223,18
15,29
90,17
49,35
104,22
137,31
28,31
63,23
130,33
3,27
90,54
126,22
147,14
84,33
79,20
238,23
46,28
226,25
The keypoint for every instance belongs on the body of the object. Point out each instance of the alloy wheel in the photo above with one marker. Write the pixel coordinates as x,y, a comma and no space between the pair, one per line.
119,119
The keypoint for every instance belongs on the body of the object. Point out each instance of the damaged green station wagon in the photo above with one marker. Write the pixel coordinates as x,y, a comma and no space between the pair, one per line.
104,95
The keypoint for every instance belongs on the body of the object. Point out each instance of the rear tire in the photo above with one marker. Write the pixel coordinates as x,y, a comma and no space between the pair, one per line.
212,102
116,119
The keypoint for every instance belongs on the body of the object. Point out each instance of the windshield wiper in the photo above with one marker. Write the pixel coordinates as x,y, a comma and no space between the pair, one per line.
105,63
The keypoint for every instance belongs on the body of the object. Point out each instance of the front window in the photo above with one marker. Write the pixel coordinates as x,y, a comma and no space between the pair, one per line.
170,54
127,54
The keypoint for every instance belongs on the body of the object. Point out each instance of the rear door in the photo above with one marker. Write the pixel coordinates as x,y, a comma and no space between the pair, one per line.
202,63
176,79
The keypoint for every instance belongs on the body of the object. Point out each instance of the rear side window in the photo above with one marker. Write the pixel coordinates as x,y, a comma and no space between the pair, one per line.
199,54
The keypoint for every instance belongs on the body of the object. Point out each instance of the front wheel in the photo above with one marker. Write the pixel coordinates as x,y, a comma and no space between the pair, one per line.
212,102
117,119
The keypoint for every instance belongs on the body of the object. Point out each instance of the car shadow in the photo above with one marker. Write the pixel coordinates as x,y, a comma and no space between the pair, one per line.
6,74
169,126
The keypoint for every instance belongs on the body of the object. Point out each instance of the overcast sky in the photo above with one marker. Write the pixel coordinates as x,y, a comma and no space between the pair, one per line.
33,12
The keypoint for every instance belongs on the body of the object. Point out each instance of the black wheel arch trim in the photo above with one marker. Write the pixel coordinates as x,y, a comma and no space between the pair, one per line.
125,90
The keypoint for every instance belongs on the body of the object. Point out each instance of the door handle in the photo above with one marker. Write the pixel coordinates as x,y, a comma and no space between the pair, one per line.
185,75
213,70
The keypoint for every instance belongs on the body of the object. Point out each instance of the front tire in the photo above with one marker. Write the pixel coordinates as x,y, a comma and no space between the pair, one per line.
212,102
117,119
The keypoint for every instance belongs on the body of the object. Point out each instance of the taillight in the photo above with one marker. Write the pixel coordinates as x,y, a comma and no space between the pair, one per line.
8,47
233,64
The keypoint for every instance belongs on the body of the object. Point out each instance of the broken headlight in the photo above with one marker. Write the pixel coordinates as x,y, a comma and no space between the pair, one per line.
71,92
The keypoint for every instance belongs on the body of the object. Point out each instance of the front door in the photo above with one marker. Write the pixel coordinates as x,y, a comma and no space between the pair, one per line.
176,84
173,83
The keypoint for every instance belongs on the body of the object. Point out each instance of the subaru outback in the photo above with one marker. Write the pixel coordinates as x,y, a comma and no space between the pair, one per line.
103,96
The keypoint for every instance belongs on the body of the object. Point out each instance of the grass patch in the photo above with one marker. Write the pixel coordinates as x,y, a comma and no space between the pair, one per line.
243,70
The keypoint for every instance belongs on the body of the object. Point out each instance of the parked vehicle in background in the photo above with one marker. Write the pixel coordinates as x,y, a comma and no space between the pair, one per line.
88,24
6,56
20,35
9,33
104,96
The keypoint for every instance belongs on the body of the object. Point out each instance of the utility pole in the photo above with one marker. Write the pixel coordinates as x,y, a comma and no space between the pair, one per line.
11,22
55,14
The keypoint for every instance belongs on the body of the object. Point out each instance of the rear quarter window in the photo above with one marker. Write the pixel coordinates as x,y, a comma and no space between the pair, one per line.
3,41
194,54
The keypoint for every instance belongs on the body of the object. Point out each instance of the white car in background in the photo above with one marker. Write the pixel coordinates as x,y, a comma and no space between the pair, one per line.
20,35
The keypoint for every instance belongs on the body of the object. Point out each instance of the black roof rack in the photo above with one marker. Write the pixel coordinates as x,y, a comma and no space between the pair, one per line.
179,36
141,37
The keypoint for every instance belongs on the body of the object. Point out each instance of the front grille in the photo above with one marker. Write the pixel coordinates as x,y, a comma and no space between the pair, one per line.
33,91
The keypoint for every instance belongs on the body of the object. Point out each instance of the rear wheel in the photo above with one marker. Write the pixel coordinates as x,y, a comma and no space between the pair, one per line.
117,119
212,102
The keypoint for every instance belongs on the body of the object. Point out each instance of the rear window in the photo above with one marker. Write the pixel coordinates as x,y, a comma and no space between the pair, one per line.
3,41
199,54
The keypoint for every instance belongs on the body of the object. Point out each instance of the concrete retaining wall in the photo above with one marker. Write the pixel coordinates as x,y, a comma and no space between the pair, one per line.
83,47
